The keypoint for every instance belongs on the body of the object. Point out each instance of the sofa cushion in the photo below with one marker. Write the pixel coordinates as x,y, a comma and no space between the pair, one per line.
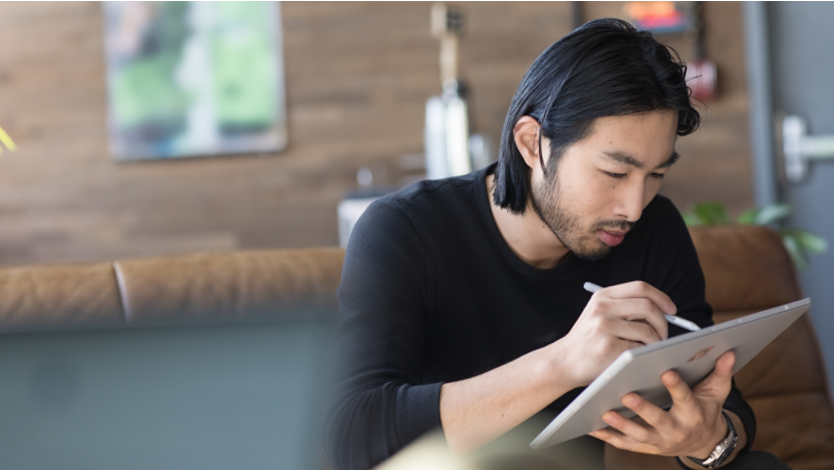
57,297
230,286
796,427
746,267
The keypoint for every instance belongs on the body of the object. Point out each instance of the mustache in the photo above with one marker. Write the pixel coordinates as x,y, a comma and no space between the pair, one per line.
623,225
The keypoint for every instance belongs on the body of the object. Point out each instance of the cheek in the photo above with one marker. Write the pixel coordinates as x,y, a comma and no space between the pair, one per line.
588,198
600,190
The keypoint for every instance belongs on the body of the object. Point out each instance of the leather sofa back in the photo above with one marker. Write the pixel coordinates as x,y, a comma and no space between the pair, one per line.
59,297
229,286
217,287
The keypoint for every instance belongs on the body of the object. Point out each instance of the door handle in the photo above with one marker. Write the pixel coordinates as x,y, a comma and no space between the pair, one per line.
799,149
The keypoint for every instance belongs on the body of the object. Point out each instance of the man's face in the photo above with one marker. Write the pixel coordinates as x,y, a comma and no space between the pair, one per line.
602,184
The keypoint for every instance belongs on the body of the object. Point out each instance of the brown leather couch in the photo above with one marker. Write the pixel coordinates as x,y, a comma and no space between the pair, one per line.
746,268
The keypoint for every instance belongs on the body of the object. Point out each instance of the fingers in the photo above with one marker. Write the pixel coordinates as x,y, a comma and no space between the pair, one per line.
719,382
640,289
635,310
629,428
681,393
724,364
636,331
651,413
621,441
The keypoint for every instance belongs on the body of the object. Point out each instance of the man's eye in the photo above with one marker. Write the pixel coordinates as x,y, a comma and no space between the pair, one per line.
616,175
658,175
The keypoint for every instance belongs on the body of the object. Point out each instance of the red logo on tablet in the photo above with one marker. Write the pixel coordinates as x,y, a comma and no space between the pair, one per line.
700,354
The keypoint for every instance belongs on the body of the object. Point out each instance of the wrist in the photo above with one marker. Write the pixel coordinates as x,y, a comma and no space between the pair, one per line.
724,450
718,434
559,373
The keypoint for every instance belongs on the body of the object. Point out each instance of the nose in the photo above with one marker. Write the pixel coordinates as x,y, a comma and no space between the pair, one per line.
630,200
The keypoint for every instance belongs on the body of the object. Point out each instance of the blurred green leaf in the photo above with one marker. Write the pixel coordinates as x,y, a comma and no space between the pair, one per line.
807,240
748,217
772,213
691,219
711,213
799,243
795,250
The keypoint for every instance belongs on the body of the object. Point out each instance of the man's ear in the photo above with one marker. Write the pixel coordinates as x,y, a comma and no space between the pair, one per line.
526,136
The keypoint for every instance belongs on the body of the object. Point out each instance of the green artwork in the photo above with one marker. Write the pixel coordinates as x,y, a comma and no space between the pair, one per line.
194,78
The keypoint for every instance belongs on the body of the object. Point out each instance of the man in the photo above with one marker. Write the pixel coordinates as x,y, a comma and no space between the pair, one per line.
461,299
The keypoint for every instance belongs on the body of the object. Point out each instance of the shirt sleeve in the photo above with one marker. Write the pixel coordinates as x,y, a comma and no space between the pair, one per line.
677,271
379,404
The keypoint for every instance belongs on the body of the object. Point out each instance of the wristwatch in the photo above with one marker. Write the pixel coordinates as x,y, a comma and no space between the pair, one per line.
723,450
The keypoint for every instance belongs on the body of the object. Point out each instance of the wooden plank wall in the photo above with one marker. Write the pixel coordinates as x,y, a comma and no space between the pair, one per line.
358,76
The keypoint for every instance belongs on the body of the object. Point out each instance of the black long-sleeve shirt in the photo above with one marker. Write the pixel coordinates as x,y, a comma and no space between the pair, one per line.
431,293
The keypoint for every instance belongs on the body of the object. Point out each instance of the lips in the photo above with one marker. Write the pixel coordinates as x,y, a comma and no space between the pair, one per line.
611,238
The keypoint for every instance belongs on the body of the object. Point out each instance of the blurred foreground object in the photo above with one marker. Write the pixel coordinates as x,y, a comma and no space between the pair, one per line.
194,78
7,141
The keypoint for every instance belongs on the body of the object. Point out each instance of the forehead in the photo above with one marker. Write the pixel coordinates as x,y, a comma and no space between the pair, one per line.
647,138
639,130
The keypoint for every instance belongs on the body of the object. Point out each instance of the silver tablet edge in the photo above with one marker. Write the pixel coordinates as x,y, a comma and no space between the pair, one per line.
689,336
601,381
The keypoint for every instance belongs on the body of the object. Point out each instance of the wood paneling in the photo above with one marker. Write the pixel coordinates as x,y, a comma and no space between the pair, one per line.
358,76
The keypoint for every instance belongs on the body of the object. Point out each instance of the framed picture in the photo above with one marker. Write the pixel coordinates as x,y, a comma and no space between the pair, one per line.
187,79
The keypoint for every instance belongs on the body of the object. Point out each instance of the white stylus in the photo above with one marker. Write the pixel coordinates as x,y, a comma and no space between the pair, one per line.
681,322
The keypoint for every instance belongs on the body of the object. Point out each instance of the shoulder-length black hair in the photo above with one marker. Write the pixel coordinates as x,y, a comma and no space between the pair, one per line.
604,68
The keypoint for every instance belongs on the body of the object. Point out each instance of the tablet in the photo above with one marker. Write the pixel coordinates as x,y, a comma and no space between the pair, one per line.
692,355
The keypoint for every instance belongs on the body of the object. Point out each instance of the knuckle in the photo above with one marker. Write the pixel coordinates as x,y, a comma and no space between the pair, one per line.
679,437
617,442
602,325
609,346
698,420
649,333
647,305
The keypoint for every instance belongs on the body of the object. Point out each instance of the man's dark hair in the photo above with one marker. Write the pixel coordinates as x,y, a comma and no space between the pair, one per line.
603,68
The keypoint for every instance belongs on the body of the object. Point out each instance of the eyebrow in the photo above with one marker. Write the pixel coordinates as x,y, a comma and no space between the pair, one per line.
626,159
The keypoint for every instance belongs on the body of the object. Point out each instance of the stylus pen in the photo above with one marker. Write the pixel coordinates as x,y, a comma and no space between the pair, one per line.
681,322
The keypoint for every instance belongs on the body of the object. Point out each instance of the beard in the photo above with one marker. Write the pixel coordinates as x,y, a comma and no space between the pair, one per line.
581,239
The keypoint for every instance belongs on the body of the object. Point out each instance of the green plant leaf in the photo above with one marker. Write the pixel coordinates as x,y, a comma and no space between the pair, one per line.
807,240
795,250
772,213
711,213
748,217
690,219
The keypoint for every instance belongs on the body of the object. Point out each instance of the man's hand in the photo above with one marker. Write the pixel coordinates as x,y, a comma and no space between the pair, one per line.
691,428
616,319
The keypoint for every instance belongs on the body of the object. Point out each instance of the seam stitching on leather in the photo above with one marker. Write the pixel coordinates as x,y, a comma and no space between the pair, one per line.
120,282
